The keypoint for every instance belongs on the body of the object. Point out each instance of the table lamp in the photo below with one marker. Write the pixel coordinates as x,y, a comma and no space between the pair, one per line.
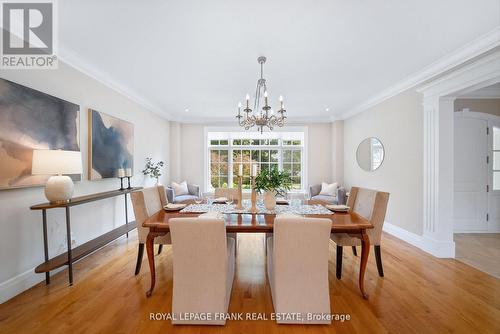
59,187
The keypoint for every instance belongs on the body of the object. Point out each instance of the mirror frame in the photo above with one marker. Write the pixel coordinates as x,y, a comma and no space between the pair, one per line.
383,157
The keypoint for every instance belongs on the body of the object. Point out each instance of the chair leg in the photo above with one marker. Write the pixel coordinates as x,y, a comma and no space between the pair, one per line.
140,253
339,262
378,257
160,248
354,251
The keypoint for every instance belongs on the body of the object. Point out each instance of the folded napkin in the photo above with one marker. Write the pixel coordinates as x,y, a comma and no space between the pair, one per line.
220,200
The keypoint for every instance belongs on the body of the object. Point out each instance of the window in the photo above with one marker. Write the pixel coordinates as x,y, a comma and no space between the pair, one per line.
229,150
496,158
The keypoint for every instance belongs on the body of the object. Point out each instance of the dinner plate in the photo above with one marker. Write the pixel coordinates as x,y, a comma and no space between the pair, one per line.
174,207
337,208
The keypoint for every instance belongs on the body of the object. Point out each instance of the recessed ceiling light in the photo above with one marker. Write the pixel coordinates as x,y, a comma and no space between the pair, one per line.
186,110
327,109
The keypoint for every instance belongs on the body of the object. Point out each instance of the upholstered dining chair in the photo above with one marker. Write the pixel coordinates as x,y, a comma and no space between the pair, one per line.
204,261
147,202
372,205
226,192
297,267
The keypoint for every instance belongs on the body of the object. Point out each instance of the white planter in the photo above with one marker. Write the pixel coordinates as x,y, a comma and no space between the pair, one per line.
270,200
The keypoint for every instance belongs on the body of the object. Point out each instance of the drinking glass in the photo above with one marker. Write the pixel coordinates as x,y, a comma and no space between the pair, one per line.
198,200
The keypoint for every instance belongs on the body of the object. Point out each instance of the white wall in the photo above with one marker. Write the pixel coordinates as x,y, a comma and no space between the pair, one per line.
21,241
398,123
192,151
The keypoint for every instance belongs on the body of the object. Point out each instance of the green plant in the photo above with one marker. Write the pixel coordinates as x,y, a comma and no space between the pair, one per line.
273,180
153,169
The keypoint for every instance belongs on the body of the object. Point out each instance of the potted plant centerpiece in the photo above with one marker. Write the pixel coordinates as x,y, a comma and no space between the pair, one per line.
272,182
153,169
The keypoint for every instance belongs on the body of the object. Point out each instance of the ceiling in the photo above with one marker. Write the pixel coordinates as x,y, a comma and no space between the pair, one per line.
201,55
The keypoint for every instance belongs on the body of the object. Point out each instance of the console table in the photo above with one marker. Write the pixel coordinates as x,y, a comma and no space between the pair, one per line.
85,249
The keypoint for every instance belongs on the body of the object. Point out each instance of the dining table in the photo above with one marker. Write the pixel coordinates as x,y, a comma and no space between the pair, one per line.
246,222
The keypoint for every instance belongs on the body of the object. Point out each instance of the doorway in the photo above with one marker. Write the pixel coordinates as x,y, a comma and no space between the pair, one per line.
476,184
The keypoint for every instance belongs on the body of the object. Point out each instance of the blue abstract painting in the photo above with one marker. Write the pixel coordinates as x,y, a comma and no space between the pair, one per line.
111,145
30,119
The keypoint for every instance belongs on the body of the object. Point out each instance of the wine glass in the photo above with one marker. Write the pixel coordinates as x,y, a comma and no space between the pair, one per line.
198,200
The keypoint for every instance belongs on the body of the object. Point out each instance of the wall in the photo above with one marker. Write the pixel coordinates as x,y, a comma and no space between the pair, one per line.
337,129
191,142
398,123
21,241
487,106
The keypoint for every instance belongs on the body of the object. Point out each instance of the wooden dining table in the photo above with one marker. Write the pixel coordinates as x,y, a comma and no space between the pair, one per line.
348,222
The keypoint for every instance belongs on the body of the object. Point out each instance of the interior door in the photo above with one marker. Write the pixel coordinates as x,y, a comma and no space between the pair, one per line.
470,175
494,171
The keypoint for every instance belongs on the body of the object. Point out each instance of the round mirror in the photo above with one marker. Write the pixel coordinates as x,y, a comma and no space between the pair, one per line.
370,154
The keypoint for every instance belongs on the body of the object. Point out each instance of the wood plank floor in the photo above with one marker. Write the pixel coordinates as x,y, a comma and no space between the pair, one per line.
420,294
479,250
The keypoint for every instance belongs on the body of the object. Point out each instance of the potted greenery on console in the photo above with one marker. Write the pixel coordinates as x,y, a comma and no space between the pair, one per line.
272,182
153,169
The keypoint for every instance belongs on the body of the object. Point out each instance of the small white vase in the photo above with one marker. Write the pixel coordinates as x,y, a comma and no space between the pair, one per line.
270,200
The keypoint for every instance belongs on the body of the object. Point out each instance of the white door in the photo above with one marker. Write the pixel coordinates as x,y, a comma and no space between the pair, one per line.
494,171
470,175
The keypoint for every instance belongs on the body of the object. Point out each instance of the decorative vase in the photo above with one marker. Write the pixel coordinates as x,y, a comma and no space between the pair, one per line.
270,200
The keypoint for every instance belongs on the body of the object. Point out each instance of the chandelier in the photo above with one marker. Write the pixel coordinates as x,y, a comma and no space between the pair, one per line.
266,115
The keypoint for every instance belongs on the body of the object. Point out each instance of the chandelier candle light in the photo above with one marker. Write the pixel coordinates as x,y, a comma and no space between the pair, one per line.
266,116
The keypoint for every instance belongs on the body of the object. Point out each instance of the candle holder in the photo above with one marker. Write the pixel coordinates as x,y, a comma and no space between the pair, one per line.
128,180
253,209
121,183
239,205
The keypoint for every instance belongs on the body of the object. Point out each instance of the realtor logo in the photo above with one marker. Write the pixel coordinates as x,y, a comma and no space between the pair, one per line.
28,35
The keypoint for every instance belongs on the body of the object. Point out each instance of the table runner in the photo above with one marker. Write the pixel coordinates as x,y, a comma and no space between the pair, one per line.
299,209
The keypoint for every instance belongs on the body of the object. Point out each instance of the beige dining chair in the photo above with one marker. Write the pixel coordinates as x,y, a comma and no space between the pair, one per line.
203,265
297,268
147,202
372,205
226,192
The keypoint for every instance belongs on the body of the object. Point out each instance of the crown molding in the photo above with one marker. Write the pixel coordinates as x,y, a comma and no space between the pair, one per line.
187,119
477,47
72,59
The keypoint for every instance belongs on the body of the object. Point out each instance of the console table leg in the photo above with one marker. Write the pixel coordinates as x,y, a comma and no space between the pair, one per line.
126,213
70,258
45,244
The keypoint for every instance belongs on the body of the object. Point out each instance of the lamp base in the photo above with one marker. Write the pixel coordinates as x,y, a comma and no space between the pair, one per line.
59,189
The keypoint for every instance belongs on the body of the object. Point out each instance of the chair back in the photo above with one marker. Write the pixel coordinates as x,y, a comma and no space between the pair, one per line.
147,202
200,267
226,192
372,205
300,265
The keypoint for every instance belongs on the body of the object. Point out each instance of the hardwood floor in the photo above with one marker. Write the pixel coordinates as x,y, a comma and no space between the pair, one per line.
479,250
419,294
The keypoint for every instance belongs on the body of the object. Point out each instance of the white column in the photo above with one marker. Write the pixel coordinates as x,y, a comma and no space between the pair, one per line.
175,151
337,131
438,176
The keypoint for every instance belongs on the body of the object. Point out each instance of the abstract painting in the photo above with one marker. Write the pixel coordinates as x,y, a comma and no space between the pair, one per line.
30,119
111,144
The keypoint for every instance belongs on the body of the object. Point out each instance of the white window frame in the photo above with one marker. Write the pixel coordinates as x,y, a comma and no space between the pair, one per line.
229,133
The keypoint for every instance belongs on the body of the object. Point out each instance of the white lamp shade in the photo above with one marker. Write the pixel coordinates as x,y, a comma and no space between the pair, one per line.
54,162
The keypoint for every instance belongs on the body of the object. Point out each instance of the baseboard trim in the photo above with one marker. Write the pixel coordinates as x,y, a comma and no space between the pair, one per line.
434,247
17,284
